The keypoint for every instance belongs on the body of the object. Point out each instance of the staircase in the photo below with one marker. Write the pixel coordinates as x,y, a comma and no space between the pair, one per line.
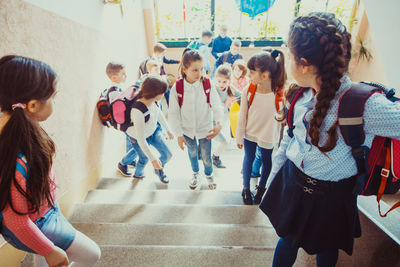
174,227
146,223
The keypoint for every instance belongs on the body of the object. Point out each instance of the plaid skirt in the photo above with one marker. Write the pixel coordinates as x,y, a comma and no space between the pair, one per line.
320,215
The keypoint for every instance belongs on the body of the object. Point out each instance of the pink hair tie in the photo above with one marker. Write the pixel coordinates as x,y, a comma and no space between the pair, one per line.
18,105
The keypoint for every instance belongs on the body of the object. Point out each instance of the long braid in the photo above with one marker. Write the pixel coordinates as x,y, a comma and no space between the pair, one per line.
320,43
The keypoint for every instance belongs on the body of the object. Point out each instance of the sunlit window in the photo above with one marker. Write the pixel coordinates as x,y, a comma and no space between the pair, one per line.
186,19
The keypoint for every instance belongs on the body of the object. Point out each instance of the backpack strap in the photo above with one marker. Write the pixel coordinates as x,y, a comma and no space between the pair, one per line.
279,100
351,121
179,91
207,89
351,125
251,91
351,111
295,96
110,90
143,108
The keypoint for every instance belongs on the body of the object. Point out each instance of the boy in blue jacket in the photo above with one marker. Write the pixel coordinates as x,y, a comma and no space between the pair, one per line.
222,43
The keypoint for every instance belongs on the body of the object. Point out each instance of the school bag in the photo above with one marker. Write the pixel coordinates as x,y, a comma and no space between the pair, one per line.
378,168
103,106
119,111
194,45
279,99
142,67
179,90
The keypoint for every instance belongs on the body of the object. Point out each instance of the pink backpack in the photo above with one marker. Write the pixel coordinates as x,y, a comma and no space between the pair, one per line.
121,109
180,91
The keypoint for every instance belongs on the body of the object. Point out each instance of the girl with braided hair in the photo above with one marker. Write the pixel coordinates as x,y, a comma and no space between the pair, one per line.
310,200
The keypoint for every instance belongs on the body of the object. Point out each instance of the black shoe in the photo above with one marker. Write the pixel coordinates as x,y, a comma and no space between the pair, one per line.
132,164
138,177
259,195
217,162
247,196
162,176
124,170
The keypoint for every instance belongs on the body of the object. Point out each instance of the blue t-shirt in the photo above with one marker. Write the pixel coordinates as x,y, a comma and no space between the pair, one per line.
220,45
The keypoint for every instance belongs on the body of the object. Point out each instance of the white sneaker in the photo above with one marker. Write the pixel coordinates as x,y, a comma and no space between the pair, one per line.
210,181
194,181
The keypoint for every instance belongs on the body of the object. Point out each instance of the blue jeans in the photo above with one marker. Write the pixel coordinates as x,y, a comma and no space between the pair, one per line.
157,141
205,150
53,225
257,163
249,155
285,255
129,146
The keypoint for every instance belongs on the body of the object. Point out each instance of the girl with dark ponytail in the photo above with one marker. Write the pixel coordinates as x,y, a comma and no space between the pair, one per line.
32,220
257,124
310,200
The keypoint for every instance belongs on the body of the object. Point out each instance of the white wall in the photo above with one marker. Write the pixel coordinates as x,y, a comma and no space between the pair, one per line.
384,22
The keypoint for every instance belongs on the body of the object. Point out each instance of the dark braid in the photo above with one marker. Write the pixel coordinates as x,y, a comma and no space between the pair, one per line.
331,18
320,43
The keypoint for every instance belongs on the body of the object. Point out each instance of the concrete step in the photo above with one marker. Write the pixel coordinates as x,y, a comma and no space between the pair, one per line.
158,213
224,180
125,256
179,234
164,197
193,256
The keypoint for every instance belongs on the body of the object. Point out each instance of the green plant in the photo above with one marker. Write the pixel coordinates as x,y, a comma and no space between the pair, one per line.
363,52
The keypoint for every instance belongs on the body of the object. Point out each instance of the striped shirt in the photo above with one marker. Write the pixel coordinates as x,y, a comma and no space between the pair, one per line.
22,226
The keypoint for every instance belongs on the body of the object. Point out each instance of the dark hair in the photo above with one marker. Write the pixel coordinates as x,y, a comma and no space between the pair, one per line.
331,18
189,55
225,70
152,86
266,61
21,80
207,33
113,68
320,43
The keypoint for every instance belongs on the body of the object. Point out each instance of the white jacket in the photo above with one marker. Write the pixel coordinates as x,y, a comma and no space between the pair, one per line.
195,117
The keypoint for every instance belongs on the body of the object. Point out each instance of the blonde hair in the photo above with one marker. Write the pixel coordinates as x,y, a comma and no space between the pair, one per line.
159,48
225,70
152,63
241,64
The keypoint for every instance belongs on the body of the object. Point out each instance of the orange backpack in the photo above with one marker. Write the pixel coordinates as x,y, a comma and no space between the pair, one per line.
279,99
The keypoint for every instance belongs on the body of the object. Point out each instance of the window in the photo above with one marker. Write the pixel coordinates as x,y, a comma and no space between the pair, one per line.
186,19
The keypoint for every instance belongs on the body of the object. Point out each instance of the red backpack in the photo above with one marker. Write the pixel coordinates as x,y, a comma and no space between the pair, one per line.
179,90
378,167
104,107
